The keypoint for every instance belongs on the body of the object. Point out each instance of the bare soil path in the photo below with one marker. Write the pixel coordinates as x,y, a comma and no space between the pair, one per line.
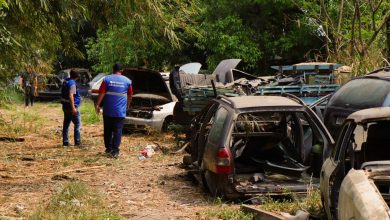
33,170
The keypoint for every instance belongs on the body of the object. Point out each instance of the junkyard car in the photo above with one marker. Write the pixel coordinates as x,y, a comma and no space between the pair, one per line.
363,149
50,85
371,90
152,103
257,145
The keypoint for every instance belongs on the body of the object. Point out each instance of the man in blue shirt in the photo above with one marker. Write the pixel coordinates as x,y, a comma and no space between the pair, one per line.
70,99
117,93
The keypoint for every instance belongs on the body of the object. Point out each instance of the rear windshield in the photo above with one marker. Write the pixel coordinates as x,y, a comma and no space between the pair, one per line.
361,93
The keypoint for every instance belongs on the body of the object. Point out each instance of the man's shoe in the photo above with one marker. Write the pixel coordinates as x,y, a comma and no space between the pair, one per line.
65,144
115,155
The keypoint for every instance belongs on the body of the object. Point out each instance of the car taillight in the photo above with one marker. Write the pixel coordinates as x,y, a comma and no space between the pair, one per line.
223,161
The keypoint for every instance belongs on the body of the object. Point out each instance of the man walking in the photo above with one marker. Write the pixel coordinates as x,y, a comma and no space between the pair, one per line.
70,99
29,85
117,93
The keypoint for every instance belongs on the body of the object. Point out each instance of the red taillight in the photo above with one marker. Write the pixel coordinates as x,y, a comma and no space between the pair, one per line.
94,91
223,161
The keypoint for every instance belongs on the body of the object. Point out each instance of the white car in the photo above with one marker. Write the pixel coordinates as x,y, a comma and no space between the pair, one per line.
152,104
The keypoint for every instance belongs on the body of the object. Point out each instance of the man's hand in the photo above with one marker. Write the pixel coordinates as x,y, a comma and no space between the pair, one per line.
74,111
97,109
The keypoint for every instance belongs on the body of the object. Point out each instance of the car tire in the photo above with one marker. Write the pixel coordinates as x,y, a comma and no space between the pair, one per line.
219,186
168,120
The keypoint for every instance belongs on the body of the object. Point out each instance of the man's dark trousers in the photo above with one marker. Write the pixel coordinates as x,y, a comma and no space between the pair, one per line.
29,95
113,127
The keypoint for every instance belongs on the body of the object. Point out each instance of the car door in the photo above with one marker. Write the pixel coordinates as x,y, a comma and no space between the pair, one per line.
319,106
332,172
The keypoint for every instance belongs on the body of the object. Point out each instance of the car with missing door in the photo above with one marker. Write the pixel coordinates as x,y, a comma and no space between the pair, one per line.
354,180
257,145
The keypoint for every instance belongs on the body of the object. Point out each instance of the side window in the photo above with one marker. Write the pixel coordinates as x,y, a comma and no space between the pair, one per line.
218,124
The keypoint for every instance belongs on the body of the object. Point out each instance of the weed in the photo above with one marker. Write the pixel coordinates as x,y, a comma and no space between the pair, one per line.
176,128
74,201
228,213
88,113
10,95
291,203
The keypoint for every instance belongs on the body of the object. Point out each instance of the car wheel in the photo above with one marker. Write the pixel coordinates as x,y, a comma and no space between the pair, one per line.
168,120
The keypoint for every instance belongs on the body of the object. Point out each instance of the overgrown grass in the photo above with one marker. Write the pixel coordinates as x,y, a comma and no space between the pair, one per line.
226,212
311,203
75,201
88,114
10,95
19,123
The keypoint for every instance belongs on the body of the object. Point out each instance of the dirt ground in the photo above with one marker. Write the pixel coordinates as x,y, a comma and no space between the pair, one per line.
33,170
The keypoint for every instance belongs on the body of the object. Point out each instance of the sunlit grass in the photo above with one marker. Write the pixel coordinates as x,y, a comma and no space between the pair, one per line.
75,201
88,114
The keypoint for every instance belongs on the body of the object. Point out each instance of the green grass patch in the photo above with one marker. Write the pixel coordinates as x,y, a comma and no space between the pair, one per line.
224,211
10,95
19,123
88,114
75,201
311,203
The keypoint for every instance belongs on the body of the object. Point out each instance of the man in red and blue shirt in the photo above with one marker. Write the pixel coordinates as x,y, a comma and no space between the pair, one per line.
116,93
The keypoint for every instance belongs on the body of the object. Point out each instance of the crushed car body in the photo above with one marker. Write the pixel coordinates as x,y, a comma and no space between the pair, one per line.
257,145
359,167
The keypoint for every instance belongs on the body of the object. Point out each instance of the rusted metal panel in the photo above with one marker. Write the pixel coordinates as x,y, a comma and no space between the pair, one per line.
259,214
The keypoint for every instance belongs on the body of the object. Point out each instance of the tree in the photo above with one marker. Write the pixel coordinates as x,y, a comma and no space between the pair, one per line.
353,30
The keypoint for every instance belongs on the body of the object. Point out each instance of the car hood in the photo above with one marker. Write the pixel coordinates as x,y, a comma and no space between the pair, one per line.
224,68
191,68
146,81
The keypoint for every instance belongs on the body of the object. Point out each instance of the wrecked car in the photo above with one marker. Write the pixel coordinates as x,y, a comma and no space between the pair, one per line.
371,90
355,178
49,86
152,103
257,145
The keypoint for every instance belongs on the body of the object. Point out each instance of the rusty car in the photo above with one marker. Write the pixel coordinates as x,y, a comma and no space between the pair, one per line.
257,145
354,180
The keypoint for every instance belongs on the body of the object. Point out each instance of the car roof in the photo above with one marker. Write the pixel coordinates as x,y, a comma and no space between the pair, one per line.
380,73
241,102
370,114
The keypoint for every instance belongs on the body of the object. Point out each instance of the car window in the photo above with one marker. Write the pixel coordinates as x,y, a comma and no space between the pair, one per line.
361,93
218,125
337,149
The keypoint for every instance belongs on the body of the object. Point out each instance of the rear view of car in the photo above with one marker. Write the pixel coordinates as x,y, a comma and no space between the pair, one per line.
258,145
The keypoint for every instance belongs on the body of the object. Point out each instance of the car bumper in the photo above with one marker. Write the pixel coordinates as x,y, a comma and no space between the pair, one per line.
142,123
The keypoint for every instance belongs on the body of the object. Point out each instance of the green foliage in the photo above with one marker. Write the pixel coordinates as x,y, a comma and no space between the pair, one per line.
177,130
88,113
75,201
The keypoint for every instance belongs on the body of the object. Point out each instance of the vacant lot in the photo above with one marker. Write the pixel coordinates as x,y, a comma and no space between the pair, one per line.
35,170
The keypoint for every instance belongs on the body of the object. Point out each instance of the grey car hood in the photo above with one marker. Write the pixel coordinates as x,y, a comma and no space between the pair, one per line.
191,68
223,70
147,82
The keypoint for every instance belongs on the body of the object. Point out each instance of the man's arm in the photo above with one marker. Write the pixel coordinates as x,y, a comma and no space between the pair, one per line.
102,92
129,96
71,99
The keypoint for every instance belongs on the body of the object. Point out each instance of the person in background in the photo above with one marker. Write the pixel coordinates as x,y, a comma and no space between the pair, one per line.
71,100
116,90
29,85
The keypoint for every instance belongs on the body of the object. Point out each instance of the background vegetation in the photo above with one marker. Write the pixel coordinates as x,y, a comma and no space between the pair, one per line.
57,34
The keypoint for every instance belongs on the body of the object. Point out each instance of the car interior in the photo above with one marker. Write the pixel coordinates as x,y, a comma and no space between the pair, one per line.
274,142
